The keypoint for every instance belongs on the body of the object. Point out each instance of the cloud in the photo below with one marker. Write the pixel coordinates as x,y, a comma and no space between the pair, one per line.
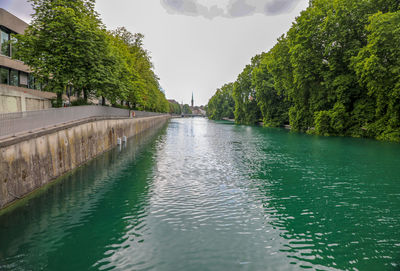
240,8
279,6
191,8
228,8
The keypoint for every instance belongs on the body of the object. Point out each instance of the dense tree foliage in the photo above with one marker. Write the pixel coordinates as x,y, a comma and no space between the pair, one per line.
174,108
335,72
244,95
222,105
378,69
271,98
142,89
186,109
67,45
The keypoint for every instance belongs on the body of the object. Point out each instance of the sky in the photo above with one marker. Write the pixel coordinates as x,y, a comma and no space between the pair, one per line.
196,45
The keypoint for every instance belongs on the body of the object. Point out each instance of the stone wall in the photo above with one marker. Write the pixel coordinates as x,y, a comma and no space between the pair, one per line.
28,164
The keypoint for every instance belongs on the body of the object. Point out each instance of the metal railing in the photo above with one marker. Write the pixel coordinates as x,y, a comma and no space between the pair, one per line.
143,114
19,122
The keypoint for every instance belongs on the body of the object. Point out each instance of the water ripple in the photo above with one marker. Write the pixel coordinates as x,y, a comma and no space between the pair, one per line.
210,196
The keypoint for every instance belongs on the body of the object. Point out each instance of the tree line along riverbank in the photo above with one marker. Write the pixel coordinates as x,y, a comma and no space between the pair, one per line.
335,72
69,50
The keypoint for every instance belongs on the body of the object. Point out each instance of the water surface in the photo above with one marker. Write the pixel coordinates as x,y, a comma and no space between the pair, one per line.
203,195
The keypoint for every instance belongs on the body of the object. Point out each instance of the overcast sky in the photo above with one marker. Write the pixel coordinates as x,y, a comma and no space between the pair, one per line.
196,45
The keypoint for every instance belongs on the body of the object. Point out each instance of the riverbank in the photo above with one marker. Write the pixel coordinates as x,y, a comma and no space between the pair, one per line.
33,160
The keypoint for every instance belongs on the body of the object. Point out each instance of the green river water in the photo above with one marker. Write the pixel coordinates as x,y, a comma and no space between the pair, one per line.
204,195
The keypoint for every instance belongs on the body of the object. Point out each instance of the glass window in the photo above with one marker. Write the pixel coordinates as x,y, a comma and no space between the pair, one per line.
23,79
39,85
13,48
5,46
14,78
31,81
4,75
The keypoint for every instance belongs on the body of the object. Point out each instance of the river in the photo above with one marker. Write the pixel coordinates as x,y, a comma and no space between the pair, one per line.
205,195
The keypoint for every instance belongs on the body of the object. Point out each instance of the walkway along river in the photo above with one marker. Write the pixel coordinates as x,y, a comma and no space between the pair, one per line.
203,195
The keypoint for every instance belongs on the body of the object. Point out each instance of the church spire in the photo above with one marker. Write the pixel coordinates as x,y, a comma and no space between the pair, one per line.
192,100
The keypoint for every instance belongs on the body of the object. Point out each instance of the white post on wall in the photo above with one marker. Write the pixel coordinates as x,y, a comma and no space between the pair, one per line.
23,103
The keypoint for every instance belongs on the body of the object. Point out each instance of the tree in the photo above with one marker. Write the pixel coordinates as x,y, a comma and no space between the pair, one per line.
244,95
186,109
63,43
273,103
322,43
67,45
378,68
144,91
221,105
336,72
174,108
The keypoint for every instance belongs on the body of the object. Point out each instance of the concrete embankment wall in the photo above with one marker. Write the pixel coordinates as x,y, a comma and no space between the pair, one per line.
32,161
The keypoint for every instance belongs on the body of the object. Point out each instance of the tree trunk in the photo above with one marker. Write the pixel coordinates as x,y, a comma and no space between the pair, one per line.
103,100
85,94
59,99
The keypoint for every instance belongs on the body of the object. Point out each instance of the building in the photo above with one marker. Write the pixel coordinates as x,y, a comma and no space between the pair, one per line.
12,72
173,101
17,86
197,110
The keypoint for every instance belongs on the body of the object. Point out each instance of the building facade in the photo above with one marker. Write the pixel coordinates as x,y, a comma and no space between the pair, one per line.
16,83
12,72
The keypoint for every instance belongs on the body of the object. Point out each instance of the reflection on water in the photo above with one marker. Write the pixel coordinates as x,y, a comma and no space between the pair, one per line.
68,225
203,195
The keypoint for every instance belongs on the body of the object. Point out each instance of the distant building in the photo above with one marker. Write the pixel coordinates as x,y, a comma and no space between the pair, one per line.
172,101
198,110
16,83
192,100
